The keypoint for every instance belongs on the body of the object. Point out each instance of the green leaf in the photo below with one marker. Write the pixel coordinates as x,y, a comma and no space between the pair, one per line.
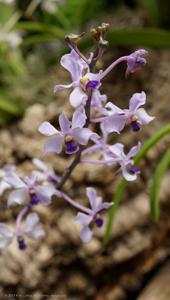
123,184
148,37
41,28
156,184
37,38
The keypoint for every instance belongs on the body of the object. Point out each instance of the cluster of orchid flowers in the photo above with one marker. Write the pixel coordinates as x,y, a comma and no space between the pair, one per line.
90,107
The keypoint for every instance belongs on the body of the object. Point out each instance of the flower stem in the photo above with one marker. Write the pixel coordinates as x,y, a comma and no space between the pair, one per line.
113,65
97,162
75,204
91,149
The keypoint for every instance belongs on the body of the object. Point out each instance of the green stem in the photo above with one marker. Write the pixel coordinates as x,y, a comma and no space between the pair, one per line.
156,184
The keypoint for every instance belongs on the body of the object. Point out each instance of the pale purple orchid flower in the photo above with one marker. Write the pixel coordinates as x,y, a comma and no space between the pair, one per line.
31,229
82,80
27,188
70,133
129,171
44,173
93,217
134,116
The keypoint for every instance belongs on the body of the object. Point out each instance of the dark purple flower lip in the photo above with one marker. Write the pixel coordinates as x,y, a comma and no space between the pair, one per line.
98,221
134,123
134,170
34,200
71,147
21,243
92,84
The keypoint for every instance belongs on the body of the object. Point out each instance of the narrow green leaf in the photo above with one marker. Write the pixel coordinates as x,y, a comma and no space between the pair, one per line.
37,38
123,184
41,28
147,37
156,184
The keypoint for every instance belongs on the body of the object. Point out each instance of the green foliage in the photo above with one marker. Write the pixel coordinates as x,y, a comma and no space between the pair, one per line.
147,37
12,68
80,12
123,184
156,185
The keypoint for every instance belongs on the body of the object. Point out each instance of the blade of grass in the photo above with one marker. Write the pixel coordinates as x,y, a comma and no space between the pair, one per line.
41,28
156,184
147,37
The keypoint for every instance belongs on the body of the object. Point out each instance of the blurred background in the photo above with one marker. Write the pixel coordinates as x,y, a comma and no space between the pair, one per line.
134,265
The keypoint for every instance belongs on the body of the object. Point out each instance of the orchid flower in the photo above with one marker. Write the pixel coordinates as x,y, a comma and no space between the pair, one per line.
125,161
31,229
134,116
70,133
93,217
82,80
27,188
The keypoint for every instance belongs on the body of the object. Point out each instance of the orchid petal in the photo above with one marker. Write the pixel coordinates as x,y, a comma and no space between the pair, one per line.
82,135
83,219
79,118
98,99
127,175
137,100
115,109
114,123
17,196
40,164
4,186
54,144
104,205
134,150
73,63
47,129
40,176
93,199
64,123
117,150
144,117
86,234
78,97
14,180
45,192
6,236
61,87
31,227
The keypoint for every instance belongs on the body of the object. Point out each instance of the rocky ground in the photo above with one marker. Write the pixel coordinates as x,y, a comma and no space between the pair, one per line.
135,263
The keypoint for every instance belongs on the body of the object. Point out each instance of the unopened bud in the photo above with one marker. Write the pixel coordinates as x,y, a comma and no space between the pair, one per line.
73,39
